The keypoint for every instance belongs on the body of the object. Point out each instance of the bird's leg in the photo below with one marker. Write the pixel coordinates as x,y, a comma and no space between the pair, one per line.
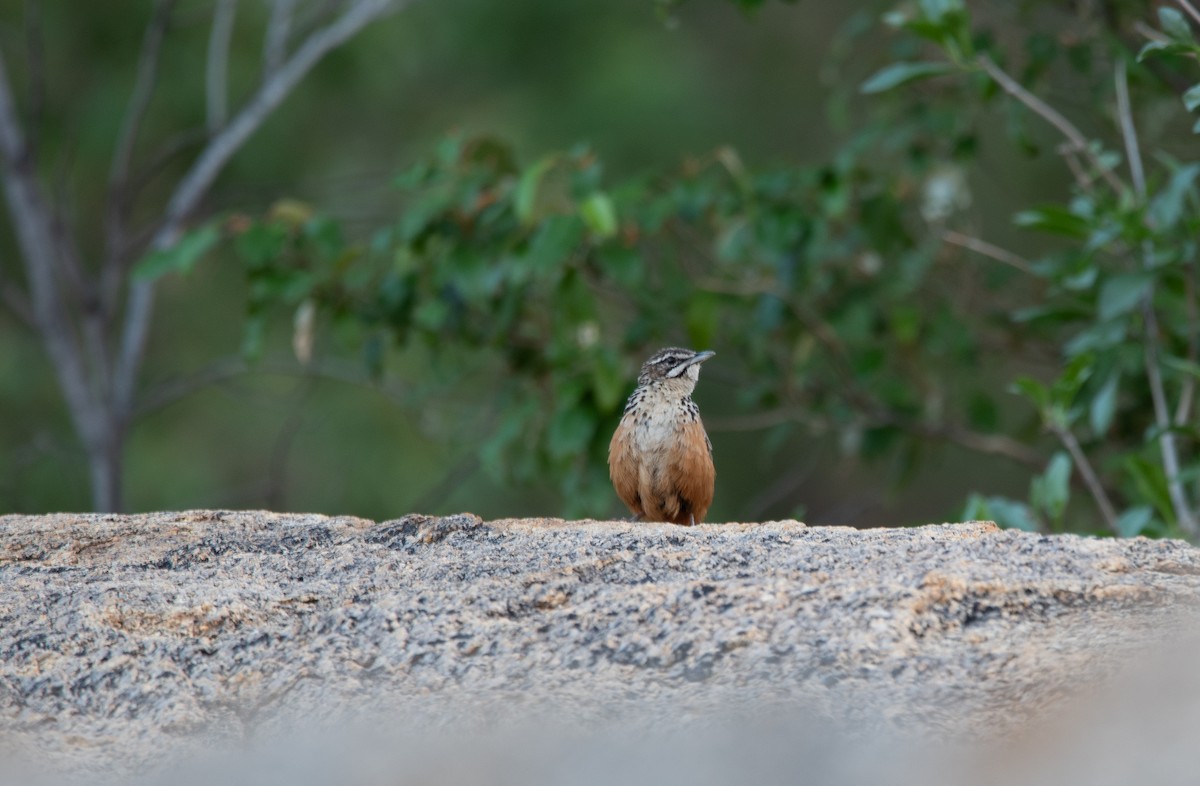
693,518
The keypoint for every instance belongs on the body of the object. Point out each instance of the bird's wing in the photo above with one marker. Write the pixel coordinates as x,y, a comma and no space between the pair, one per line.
692,474
623,468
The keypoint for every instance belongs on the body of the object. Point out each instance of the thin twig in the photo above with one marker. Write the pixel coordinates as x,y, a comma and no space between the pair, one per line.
143,89
119,196
216,75
1129,131
1162,415
1187,394
1090,479
986,249
1048,113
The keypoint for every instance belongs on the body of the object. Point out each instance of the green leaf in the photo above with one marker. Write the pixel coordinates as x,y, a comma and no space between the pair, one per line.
261,244
1065,388
1121,294
525,198
1182,365
1174,24
599,215
1033,390
1167,206
180,257
1151,484
554,242
1053,219
1104,405
1165,48
1134,521
1099,336
1191,98
937,10
902,73
1050,491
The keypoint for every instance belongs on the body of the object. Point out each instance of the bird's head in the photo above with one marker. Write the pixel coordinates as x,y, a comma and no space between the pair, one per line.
674,367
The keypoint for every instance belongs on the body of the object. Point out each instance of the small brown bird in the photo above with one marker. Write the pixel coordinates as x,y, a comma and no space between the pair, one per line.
660,459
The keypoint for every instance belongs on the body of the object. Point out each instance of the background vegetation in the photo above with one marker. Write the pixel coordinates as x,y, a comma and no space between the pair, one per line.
946,261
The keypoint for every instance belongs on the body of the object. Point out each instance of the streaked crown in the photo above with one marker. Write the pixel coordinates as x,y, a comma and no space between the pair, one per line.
672,363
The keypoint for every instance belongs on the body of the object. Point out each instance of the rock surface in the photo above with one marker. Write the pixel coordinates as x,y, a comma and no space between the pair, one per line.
125,640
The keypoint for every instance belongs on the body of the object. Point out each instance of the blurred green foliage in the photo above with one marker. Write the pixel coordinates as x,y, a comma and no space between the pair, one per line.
824,286
857,299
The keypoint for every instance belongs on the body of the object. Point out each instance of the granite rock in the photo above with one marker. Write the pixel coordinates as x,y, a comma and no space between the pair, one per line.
129,642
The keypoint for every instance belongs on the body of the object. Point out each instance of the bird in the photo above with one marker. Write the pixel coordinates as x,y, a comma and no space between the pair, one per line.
660,458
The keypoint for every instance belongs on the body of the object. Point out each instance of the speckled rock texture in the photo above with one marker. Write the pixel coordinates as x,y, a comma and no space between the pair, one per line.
126,640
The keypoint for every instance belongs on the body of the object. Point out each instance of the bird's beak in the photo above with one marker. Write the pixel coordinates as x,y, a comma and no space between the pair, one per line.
701,357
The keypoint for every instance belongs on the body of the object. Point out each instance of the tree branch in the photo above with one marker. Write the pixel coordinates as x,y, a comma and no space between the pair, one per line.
119,193
986,249
1048,113
1187,393
143,89
32,220
1162,415
216,75
1090,479
213,159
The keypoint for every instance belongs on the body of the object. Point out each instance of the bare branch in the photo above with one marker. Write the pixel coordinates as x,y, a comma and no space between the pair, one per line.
279,29
216,76
1187,395
1133,151
986,249
1162,415
213,159
143,89
1090,479
1048,113
120,195
32,220
991,444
